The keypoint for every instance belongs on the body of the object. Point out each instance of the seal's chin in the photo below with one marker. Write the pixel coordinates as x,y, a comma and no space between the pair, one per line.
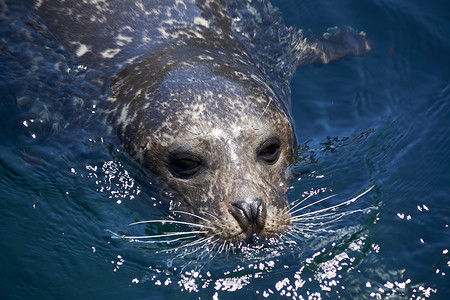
255,238
247,238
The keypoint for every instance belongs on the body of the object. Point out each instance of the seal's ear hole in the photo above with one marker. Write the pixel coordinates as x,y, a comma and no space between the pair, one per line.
184,165
269,150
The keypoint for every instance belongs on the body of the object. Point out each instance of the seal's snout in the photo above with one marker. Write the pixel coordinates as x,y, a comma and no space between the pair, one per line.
250,215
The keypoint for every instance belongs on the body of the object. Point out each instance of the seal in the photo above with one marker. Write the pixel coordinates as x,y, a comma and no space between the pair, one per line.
200,96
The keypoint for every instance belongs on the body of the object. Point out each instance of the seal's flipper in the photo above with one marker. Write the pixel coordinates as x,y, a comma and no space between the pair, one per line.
336,43
279,50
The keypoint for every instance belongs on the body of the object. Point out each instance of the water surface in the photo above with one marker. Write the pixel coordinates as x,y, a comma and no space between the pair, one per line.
382,120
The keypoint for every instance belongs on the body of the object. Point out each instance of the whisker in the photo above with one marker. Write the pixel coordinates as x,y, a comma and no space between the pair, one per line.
228,247
212,250
364,192
313,214
192,215
314,203
322,220
188,244
203,246
290,236
294,232
222,247
345,203
297,202
215,217
298,219
306,229
322,223
214,244
201,240
163,235
172,222
278,236
164,241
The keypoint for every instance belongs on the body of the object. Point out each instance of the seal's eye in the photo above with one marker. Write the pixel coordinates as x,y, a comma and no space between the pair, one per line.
184,165
269,150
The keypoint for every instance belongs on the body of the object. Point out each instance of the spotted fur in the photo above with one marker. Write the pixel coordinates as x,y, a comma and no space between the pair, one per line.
209,79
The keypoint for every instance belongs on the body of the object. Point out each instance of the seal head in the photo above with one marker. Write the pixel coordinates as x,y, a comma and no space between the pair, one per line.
215,133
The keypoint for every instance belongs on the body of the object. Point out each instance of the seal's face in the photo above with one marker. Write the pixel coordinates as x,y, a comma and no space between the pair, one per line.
224,148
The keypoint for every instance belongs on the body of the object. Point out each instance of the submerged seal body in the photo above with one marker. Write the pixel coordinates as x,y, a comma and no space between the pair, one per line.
201,98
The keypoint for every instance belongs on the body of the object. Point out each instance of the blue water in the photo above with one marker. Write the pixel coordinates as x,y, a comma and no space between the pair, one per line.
383,119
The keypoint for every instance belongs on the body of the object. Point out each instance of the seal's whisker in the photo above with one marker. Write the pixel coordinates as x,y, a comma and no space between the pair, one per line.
180,239
319,211
219,247
213,248
294,231
210,242
192,215
213,244
228,248
321,220
216,224
297,202
278,236
313,226
201,240
222,247
333,215
293,235
215,217
334,207
281,237
321,223
363,192
312,216
164,235
301,229
317,214
311,204
172,222
205,242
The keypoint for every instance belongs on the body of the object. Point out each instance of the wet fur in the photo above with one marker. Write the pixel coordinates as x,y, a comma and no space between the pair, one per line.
206,78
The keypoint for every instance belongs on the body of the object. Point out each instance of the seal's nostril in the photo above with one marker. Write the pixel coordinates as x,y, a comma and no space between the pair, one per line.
250,212
250,208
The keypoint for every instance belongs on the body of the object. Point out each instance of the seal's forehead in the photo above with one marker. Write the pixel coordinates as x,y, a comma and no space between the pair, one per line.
208,106
191,87
220,112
